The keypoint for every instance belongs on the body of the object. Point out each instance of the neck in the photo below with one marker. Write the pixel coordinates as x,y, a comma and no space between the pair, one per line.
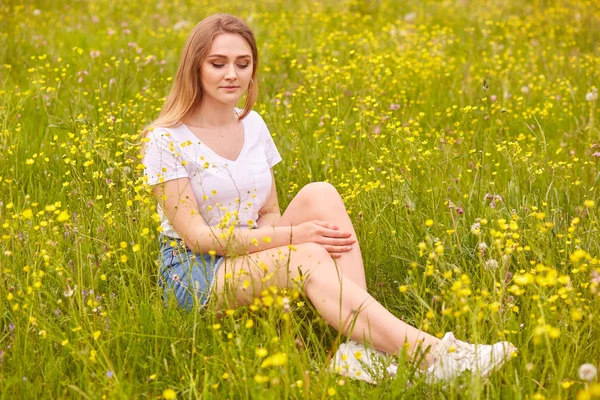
211,114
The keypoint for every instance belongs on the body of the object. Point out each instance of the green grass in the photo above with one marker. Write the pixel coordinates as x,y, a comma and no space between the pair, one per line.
384,99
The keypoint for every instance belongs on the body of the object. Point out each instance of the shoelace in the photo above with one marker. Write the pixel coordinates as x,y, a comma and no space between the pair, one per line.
455,354
465,354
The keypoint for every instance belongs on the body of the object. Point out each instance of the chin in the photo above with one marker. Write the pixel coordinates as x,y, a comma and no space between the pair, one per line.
228,100
233,101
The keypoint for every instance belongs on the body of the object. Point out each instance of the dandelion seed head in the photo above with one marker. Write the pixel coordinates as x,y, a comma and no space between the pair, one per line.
592,95
587,372
491,264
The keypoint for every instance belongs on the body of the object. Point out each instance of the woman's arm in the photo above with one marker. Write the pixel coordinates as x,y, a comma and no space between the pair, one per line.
181,209
270,214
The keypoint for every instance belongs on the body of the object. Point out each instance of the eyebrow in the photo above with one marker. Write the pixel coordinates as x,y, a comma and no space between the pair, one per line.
223,56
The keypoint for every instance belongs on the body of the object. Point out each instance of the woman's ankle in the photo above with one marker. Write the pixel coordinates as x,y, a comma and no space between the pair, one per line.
421,354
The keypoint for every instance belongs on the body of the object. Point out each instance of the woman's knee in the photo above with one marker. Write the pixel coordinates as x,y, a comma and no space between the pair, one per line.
316,190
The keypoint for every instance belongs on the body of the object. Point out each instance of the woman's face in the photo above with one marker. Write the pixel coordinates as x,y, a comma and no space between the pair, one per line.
226,71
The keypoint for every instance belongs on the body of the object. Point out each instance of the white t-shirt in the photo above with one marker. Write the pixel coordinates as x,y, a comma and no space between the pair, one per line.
228,192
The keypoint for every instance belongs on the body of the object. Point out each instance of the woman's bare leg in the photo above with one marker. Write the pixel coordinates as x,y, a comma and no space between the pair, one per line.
345,305
320,200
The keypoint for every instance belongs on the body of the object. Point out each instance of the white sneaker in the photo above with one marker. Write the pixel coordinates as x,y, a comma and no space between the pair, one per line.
451,357
356,361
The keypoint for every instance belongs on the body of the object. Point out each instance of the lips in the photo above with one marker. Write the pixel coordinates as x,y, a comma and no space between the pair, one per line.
230,87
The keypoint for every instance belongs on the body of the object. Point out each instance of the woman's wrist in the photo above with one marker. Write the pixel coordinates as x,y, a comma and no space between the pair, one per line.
268,237
268,220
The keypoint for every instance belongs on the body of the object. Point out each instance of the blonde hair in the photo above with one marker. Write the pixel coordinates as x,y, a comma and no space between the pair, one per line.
186,92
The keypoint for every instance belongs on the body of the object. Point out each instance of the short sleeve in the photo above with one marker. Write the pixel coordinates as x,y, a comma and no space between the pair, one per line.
162,158
271,152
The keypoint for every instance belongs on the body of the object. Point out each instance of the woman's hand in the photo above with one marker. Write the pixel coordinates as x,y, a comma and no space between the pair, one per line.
324,233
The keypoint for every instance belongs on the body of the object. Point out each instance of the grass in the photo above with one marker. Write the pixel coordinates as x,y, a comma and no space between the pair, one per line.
463,137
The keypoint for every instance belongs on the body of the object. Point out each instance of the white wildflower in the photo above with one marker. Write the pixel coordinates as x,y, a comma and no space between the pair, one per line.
410,17
286,305
491,264
181,25
69,292
482,246
587,372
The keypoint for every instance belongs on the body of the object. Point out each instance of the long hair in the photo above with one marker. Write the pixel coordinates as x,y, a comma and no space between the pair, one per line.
186,92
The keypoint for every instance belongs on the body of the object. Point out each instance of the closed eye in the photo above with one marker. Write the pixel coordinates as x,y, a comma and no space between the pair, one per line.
216,65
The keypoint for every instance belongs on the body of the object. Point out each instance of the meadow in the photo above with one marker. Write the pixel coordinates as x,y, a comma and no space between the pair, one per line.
464,137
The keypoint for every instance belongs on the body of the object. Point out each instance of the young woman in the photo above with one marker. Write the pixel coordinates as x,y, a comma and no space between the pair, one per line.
211,168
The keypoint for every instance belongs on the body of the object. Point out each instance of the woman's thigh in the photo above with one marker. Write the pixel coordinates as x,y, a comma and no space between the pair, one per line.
239,280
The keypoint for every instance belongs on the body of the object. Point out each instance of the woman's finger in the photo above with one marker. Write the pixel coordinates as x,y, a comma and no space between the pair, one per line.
337,242
337,249
333,233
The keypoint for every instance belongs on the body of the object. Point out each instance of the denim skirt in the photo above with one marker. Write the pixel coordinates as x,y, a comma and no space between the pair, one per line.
187,276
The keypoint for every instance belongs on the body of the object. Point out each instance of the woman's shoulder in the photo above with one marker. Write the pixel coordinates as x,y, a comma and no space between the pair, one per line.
254,121
164,131
252,115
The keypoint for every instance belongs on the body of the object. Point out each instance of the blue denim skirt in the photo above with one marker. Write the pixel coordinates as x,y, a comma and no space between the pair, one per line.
187,276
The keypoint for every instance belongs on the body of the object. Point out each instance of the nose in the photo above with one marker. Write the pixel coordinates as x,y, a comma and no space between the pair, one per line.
230,73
